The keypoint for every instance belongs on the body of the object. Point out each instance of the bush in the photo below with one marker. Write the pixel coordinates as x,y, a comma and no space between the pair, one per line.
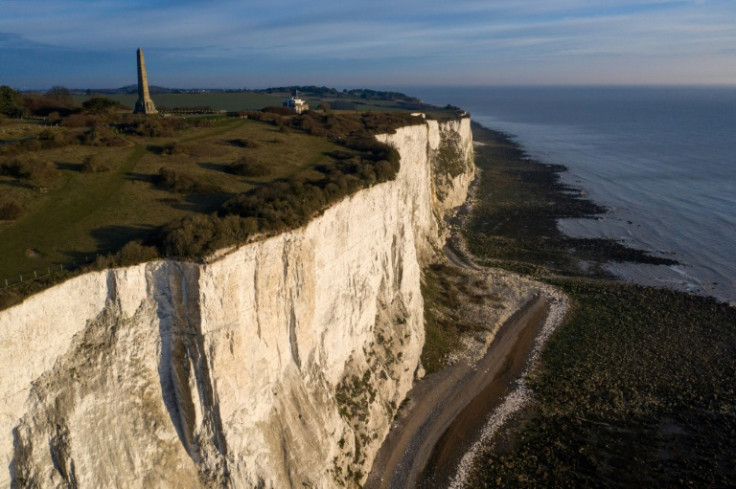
130,254
94,164
102,136
11,102
55,138
174,149
100,105
180,182
28,168
197,235
248,168
10,209
286,203
154,128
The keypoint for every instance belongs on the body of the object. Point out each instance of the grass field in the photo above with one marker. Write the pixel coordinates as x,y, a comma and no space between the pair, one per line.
83,214
232,101
235,101
636,389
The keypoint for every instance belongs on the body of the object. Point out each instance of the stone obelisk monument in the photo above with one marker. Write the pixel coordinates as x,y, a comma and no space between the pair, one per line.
144,105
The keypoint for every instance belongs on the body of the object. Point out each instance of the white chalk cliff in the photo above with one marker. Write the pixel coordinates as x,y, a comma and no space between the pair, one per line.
279,364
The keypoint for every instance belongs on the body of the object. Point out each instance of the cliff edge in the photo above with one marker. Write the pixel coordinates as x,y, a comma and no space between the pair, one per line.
279,364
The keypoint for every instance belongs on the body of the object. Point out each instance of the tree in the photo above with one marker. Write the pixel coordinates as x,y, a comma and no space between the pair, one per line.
11,102
62,95
100,105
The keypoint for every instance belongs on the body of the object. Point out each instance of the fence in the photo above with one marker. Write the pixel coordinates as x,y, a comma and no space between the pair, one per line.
37,274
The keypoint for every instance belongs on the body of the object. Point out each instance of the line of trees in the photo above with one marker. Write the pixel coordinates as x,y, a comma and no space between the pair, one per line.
54,104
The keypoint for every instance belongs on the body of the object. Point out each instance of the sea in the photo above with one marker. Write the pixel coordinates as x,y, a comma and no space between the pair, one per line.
662,160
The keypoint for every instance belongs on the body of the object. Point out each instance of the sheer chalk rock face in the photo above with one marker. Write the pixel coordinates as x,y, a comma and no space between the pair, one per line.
279,364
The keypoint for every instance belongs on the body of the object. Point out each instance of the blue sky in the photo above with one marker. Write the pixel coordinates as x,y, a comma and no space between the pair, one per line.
376,43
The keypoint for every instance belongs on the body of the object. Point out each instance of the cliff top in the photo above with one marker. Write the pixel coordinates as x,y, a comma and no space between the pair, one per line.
104,190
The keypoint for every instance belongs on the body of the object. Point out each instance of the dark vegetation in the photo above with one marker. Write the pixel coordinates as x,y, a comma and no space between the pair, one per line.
636,388
181,182
10,209
246,167
289,203
94,164
28,169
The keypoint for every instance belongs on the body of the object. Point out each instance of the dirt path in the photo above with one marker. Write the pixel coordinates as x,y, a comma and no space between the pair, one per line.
447,409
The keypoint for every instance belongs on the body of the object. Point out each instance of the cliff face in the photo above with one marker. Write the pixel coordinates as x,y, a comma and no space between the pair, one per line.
279,364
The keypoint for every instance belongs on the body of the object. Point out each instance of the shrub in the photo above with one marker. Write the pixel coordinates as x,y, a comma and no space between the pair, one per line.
197,235
54,138
130,254
11,102
154,128
187,237
286,203
102,136
248,168
29,168
100,105
94,164
10,209
181,182
174,148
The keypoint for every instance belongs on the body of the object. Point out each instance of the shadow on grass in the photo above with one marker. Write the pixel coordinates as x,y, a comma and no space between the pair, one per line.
220,167
17,184
69,166
111,238
201,203
140,177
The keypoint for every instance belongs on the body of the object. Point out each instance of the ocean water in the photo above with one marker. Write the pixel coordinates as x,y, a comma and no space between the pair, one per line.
662,160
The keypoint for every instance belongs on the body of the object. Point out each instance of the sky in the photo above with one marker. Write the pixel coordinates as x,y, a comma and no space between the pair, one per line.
368,43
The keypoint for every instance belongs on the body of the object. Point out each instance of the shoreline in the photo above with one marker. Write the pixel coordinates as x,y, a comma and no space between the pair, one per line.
503,406
428,421
609,314
432,439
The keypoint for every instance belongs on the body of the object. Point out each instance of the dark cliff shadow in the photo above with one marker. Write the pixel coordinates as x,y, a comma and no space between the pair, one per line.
183,359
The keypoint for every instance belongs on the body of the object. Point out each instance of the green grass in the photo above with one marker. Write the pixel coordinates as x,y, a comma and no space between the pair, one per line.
636,388
235,101
82,214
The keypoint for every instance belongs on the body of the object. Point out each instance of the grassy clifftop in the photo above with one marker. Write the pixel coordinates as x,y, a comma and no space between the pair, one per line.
117,190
